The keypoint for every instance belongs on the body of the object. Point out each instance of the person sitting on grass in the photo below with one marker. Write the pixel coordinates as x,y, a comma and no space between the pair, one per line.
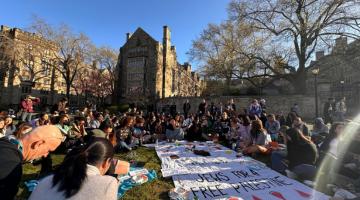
139,131
9,124
234,134
124,135
43,120
2,127
272,126
299,124
260,139
81,175
302,154
14,152
174,130
245,128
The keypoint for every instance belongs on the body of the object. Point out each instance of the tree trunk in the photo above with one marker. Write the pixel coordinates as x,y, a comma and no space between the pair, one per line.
68,91
299,80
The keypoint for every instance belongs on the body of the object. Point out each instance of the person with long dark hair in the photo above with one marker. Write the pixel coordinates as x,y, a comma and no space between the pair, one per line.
81,175
301,153
260,138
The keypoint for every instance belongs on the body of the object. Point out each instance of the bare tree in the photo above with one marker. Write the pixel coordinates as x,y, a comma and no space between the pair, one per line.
223,53
73,49
107,58
298,27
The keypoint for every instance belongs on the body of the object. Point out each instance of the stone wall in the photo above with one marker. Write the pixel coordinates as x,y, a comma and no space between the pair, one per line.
275,104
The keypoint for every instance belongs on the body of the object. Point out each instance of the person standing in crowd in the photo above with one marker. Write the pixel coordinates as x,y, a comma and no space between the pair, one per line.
295,108
202,107
27,107
81,175
213,109
299,124
231,105
262,103
186,108
272,126
220,109
329,111
255,109
340,110
14,152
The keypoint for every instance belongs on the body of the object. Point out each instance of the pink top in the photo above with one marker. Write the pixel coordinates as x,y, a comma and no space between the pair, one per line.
27,106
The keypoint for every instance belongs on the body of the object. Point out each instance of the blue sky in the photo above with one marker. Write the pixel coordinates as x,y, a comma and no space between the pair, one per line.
106,22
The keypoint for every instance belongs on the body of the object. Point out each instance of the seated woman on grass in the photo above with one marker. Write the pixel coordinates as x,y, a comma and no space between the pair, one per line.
81,175
260,139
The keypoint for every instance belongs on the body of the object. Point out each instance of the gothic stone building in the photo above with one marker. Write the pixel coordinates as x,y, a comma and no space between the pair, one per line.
149,70
339,74
25,67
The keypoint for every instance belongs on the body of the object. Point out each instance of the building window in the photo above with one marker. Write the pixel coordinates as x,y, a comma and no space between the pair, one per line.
47,82
173,80
26,89
45,68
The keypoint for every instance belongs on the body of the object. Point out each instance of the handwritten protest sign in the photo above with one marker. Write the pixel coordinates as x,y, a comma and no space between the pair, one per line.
223,175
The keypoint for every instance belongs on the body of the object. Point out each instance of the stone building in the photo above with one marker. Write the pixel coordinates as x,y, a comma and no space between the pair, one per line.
149,70
339,73
26,67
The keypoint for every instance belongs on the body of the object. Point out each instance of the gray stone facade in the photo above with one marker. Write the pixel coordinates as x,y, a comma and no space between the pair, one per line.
339,74
275,104
149,70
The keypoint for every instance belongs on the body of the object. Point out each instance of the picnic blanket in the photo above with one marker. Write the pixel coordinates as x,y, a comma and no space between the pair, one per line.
127,184
223,174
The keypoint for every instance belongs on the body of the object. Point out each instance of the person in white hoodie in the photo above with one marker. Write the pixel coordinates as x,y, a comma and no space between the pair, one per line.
81,175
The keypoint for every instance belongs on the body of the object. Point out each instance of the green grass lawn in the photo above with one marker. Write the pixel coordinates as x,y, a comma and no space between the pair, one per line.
158,189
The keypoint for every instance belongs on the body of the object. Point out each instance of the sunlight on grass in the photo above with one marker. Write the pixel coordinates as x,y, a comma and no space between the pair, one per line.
143,156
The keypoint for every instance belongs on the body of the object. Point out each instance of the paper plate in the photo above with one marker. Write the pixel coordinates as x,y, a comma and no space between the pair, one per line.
228,151
178,193
139,179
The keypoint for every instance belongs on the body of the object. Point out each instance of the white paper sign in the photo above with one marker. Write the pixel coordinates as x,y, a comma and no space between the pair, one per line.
222,175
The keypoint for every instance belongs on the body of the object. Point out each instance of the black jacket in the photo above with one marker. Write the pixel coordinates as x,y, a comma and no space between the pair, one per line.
298,154
10,169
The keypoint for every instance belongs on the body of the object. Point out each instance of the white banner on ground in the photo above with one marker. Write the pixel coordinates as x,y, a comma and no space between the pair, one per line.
222,175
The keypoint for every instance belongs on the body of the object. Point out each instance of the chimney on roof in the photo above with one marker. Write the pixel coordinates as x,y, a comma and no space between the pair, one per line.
166,36
319,55
340,45
128,35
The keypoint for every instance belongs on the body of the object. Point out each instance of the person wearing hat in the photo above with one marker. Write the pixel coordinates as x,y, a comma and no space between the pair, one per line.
27,107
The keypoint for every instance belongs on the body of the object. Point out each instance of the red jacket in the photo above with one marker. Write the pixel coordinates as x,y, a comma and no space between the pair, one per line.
27,106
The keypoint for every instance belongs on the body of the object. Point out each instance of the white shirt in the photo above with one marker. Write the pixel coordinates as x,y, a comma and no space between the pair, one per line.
95,187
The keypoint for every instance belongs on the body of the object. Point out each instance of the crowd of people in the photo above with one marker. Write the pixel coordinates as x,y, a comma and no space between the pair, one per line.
90,138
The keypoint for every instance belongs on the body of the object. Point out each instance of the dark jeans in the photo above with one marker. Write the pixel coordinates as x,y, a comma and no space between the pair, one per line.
277,158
